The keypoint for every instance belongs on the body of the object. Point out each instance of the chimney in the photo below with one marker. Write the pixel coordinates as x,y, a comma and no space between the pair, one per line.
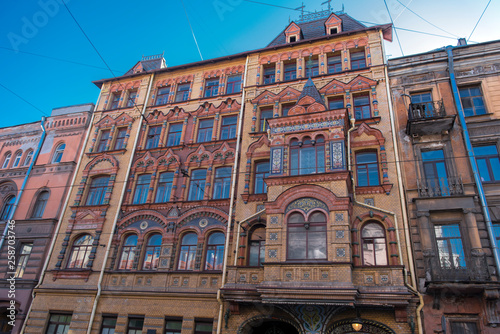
461,41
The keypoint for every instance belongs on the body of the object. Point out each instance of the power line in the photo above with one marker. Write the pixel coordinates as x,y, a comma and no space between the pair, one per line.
277,6
53,58
411,30
192,31
395,30
478,20
31,104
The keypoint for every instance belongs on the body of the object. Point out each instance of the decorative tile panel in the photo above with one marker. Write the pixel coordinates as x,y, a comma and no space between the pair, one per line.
273,236
340,252
339,234
339,217
306,204
369,278
306,127
370,201
337,155
274,220
273,253
384,279
277,160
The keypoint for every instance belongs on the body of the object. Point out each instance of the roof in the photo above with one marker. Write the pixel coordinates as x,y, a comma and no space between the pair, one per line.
316,28
147,65
311,90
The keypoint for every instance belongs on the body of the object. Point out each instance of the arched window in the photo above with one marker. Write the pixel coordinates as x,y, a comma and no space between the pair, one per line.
80,252
17,159
40,203
28,158
152,254
58,153
142,189
6,160
7,207
374,245
307,238
97,190
256,252
128,252
188,252
215,251
308,156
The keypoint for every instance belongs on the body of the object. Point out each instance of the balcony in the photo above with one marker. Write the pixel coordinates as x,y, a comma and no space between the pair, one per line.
470,268
439,187
428,118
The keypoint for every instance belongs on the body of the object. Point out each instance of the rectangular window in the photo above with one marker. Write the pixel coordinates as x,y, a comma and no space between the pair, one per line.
174,134
436,177
205,128
222,182
472,101
335,63
103,141
265,113
58,324
233,84
362,108
197,185
115,100
261,172
203,327
421,105
211,87
164,187
286,108
173,326
153,137
358,60
132,96
97,190
367,169
312,67
269,74
182,92
142,189
24,254
228,128
464,327
450,248
120,138
336,102
421,97
162,95
108,325
290,71
135,325
488,162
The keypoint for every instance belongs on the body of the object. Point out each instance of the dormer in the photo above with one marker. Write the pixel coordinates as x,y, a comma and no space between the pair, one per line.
293,33
333,25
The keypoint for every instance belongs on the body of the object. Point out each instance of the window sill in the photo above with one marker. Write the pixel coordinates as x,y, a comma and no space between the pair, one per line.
380,189
371,120
72,274
254,198
94,154
122,108
196,99
85,207
479,118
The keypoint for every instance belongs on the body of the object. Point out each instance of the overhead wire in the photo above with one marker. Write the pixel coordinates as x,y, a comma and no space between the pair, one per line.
277,6
395,30
479,20
22,98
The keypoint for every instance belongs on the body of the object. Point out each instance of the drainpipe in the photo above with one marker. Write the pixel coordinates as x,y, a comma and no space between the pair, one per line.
118,210
58,227
472,159
231,203
18,198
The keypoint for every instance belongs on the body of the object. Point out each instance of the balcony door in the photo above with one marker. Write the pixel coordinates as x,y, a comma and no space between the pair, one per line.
436,177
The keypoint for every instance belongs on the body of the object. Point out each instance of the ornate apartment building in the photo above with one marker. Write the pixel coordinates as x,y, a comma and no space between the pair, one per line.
447,106
253,193
37,163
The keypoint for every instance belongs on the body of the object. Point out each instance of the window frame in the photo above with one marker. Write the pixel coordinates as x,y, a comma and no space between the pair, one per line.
172,330
153,137
6,160
161,183
164,97
228,131
114,102
211,88
334,100
332,65
235,85
22,260
154,250
260,175
128,250
300,147
190,253
106,326
95,189
306,224
174,134
359,61
57,324
290,70
263,126
363,110
267,76
58,153
200,184
27,159
182,92
470,100
141,189
364,240
103,140
312,71
135,330
40,204
487,161
367,168
85,247
132,97
120,140
205,133
17,159
449,245
222,183
256,244
8,204
215,249
203,322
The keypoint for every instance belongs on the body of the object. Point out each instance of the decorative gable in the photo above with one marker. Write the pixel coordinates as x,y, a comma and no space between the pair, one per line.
292,33
333,25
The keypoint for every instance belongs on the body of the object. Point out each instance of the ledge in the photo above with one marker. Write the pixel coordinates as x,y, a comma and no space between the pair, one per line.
72,274
254,198
380,189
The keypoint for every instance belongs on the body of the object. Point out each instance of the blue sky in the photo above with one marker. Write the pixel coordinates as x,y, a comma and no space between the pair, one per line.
49,63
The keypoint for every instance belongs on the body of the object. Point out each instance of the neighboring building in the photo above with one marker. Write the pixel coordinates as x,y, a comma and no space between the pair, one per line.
217,197
44,158
453,252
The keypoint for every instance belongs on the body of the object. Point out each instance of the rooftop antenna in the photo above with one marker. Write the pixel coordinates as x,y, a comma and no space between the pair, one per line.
329,5
301,10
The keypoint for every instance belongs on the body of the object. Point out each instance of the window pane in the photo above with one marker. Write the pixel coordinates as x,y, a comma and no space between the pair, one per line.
297,243
142,189
164,187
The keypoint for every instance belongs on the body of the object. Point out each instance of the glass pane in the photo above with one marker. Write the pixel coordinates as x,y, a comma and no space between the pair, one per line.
372,230
173,324
254,253
155,240
296,243
317,217
316,242
296,218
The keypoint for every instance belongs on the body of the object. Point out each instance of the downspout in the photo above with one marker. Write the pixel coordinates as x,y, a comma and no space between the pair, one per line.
231,203
118,210
472,159
18,198
402,201
58,227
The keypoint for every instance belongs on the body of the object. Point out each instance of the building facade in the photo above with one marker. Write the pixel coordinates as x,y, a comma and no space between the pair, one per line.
444,99
254,193
38,161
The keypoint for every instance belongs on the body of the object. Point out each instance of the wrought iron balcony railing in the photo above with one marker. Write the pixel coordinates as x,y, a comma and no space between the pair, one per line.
443,186
432,109
470,268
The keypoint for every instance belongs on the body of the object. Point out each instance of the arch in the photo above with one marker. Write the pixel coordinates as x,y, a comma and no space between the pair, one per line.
6,159
203,211
257,324
28,157
369,326
127,254
101,158
7,207
58,152
187,250
366,129
152,251
80,253
262,141
40,202
17,158
143,215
